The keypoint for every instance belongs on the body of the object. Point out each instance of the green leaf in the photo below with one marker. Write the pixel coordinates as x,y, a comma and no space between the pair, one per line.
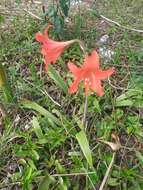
3,79
32,105
123,103
35,154
2,18
84,145
59,167
57,78
139,156
37,129
79,122
4,85
63,185
45,184
59,25
64,4
96,104
113,182
133,98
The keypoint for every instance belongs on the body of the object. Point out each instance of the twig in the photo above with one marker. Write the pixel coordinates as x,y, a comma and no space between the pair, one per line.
107,172
72,174
37,2
127,66
141,177
46,93
32,14
43,8
116,87
119,25
43,92
9,184
91,182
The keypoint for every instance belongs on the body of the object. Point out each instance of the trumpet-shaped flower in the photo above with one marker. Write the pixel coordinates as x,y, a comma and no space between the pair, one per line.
90,73
51,49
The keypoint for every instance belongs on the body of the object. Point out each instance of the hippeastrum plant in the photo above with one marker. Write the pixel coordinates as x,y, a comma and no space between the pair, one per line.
89,72
51,49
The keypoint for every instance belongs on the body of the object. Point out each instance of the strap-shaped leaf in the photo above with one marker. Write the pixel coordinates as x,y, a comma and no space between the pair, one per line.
57,78
84,145
4,86
46,182
65,4
33,105
37,128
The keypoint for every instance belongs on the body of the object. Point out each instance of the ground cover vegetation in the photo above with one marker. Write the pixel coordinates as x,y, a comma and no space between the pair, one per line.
54,135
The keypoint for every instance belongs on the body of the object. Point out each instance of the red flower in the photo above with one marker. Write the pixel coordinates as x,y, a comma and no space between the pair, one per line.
90,73
51,49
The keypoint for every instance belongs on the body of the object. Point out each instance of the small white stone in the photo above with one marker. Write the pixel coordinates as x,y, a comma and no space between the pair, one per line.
104,39
106,52
75,2
27,127
67,20
17,118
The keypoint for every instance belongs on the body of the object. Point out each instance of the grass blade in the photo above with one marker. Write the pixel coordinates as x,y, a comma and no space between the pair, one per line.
84,145
140,157
37,128
46,182
2,76
33,105
57,78
4,86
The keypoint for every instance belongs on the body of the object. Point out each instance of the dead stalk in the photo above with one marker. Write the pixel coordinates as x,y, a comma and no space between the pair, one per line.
107,172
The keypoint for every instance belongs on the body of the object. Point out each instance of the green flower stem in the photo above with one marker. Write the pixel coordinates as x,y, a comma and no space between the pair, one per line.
82,46
85,111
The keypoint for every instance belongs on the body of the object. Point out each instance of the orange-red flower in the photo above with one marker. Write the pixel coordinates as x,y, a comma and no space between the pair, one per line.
51,49
90,73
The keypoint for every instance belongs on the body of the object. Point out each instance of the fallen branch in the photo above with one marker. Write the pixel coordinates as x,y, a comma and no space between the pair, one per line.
32,14
107,172
72,174
119,25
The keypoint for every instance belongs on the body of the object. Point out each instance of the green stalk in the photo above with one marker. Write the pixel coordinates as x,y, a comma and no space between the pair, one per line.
2,76
4,86
85,111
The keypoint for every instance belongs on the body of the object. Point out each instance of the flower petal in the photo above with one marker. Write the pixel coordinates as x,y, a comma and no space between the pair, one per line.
46,31
47,62
39,37
74,86
104,74
92,61
73,68
54,49
51,49
96,86
43,50
55,54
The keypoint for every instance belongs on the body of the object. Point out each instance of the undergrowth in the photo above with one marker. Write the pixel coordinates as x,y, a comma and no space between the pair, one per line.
38,148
